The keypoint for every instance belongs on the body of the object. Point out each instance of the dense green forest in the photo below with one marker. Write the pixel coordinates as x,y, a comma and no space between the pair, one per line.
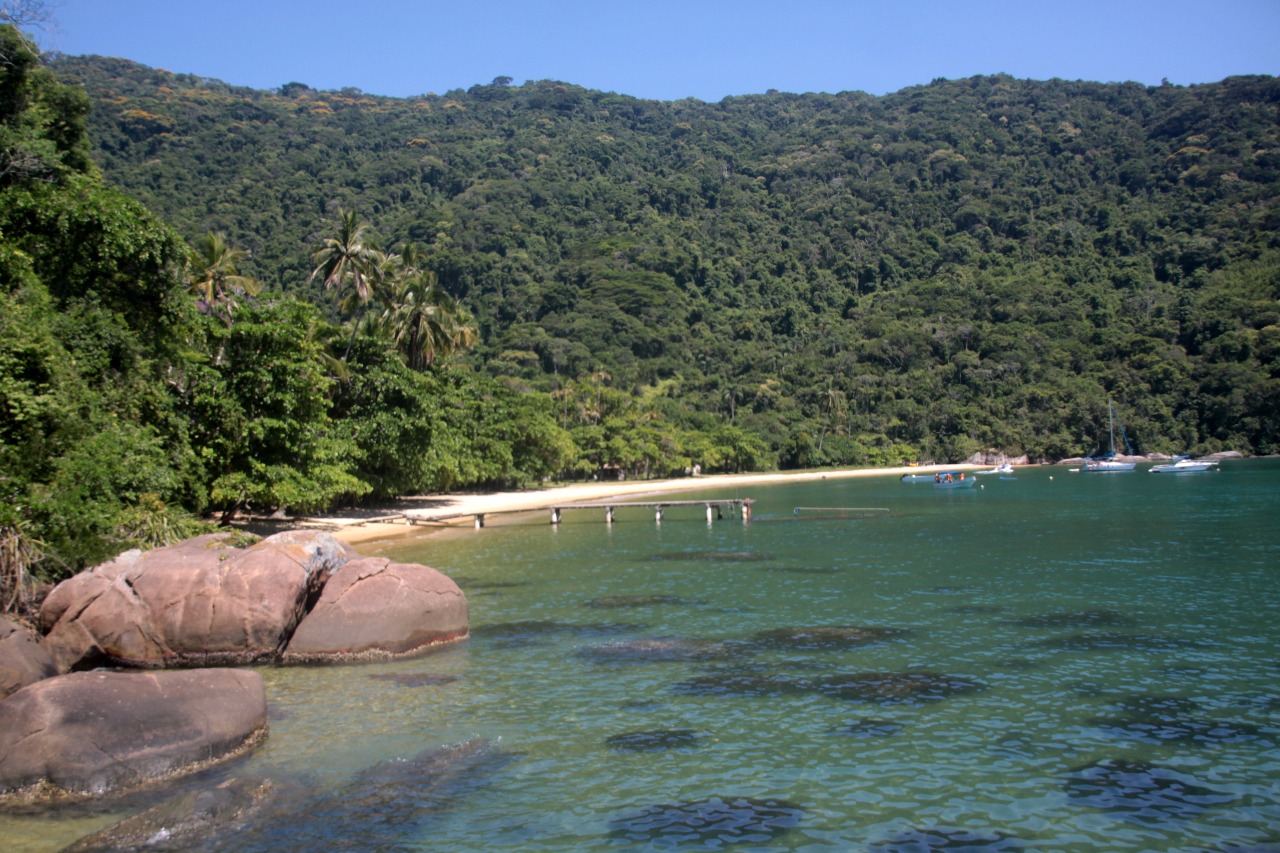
216,298
968,265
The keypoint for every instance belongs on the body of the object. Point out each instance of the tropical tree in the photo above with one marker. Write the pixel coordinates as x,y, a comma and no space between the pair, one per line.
348,264
425,322
216,278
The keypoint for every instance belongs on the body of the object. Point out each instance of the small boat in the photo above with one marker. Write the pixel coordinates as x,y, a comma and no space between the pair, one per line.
1002,468
1107,462
953,480
1185,465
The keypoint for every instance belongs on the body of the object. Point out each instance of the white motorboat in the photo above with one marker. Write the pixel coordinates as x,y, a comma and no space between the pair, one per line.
1185,465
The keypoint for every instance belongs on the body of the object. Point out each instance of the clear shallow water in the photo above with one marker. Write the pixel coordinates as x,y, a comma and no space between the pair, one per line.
1091,662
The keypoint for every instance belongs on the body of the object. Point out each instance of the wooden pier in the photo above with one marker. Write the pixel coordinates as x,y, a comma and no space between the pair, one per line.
715,508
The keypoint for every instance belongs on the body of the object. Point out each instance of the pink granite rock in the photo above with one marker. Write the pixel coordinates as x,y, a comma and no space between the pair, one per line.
23,660
91,733
373,608
198,603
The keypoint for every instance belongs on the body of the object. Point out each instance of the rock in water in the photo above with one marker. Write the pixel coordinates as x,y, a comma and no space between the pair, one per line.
198,603
374,608
92,733
182,822
23,660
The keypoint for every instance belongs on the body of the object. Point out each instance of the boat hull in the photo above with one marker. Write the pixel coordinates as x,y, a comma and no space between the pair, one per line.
1108,467
1184,468
955,484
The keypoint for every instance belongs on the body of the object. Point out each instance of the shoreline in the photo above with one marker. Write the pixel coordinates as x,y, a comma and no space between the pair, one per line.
433,513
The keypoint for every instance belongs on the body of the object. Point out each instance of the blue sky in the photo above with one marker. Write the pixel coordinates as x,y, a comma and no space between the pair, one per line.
665,50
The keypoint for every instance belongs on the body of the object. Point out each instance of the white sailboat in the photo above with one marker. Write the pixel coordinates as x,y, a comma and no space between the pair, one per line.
1107,462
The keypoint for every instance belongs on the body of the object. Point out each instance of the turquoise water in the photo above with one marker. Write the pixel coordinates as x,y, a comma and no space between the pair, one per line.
1060,661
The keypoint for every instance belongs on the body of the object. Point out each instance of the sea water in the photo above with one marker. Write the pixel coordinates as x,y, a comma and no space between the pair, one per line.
1057,661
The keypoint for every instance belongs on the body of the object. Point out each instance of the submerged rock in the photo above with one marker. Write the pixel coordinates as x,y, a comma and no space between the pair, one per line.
740,684
1141,792
381,808
660,650
654,740
713,557
869,727
713,822
183,821
805,570
634,601
416,679
1075,619
1116,641
1168,719
535,631
928,838
896,688
92,733
826,638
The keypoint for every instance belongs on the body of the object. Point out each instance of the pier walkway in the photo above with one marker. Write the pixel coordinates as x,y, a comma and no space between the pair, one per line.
715,509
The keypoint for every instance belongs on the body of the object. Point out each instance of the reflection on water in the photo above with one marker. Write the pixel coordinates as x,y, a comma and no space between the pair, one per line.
1060,661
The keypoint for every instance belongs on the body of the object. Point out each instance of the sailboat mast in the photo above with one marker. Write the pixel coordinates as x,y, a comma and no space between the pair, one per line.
1111,426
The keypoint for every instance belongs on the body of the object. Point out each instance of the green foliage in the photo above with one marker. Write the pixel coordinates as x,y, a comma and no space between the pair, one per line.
947,258
261,416
580,283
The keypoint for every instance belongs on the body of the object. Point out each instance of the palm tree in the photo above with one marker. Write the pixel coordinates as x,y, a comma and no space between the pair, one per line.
349,264
345,262
216,279
426,323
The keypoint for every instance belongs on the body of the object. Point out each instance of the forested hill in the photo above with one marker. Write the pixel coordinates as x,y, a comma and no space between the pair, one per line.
966,265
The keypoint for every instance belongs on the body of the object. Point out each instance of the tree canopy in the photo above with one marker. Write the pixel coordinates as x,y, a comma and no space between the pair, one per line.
967,265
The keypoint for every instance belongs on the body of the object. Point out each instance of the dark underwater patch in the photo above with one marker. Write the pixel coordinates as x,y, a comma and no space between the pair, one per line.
709,823
655,740
977,609
1117,641
825,638
869,727
470,585
946,589
925,839
711,557
389,806
895,688
633,601
740,684
1168,719
805,570
1141,792
533,631
416,679
1075,619
660,650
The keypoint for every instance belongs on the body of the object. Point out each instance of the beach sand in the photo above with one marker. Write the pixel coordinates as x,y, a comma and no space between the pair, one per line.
424,514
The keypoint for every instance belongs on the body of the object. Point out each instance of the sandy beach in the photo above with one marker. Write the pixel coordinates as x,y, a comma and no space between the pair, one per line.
424,514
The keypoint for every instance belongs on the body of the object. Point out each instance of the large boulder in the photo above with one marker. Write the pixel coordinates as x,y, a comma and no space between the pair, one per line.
23,660
93,733
374,608
198,603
